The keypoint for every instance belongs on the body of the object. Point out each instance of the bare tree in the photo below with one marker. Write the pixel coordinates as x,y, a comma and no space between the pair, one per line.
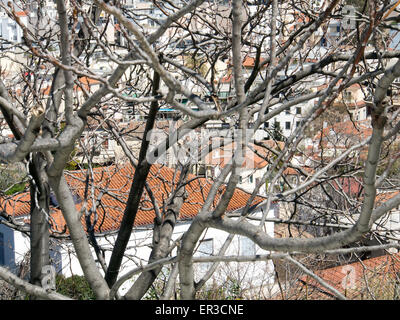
83,67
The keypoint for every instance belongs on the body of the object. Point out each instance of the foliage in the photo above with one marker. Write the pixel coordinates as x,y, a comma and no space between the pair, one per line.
11,180
75,287
230,290
276,133
16,188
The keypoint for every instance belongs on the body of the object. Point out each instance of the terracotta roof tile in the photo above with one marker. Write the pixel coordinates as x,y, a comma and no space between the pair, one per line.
112,185
359,280
249,62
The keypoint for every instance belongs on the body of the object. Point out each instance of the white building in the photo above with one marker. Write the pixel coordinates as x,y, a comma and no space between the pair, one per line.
10,31
14,244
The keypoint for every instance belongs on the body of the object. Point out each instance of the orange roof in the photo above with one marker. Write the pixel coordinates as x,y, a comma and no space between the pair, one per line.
385,196
290,171
349,185
21,14
112,185
352,279
249,62
228,78
298,18
343,132
88,81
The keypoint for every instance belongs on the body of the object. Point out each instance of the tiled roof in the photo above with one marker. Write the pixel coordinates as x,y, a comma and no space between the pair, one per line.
385,196
371,278
335,139
355,188
256,156
21,14
249,62
347,129
226,79
112,185
349,185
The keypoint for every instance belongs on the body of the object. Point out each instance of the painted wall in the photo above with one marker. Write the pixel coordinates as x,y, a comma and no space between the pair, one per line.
246,275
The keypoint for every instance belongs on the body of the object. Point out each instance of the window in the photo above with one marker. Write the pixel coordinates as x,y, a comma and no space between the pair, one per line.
201,169
287,111
247,247
2,260
205,248
266,124
297,123
347,96
209,171
287,125
55,257
298,110
223,94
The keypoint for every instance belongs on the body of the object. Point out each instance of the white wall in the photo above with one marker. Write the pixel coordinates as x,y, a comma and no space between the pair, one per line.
292,117
247,275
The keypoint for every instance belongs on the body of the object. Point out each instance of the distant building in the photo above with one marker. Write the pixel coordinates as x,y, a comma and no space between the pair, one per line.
10,31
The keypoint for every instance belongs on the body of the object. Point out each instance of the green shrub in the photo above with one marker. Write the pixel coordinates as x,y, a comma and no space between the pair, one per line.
16,188
12,179
75,287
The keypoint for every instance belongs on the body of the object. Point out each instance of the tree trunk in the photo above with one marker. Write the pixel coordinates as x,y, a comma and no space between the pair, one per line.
39,193
161,244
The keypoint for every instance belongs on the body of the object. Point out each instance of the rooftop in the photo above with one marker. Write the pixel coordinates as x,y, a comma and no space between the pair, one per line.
111,189
371,278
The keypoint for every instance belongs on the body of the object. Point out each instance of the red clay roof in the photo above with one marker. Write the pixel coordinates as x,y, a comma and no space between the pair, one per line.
351,280
339,137
359,129
21,14
115,182
349,185
249,62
